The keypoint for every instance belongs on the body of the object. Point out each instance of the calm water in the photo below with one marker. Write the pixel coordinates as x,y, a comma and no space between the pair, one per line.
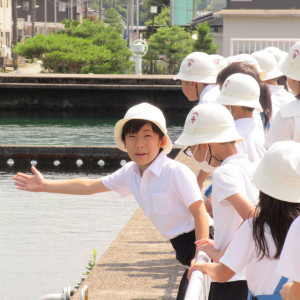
45,239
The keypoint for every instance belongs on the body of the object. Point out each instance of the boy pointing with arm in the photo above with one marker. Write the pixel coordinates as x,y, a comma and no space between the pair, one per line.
165,189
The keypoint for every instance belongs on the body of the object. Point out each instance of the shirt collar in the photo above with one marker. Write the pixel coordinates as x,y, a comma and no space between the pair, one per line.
205,90
156,166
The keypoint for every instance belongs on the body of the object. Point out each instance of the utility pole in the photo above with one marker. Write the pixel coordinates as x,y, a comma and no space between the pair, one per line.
171,12
86,9
45,14
15,32
33,4
100,10
55,14
137,19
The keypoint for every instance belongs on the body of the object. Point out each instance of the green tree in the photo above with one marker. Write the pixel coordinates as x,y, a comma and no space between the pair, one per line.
204,42
171,45
113,18
89,47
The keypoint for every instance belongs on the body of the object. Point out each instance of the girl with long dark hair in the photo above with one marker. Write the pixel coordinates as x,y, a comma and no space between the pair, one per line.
257,245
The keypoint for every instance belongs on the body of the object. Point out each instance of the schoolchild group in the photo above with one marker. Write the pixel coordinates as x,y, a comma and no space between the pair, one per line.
245,132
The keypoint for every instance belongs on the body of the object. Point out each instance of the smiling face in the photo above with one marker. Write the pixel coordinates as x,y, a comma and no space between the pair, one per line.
143,146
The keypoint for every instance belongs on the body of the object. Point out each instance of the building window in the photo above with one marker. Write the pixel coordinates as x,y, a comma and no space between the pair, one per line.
62,7
25,6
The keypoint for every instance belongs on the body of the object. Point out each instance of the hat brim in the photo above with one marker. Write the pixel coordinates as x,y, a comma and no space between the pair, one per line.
278,189
190,139
273,74
196,78
119,129
288,69
227,100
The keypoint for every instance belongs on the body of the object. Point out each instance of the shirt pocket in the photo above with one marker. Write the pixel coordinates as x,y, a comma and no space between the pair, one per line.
162,203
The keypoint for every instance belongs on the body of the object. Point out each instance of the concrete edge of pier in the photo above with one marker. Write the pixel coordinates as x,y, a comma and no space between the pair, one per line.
139,264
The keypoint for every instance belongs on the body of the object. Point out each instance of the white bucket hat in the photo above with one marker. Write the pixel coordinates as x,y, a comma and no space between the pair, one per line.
290,65
197,67
220,62
208,123
240,90
278,53
247,59
268,64
143,111
278,172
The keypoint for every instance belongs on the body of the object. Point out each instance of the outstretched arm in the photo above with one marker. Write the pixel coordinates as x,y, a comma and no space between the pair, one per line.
37,183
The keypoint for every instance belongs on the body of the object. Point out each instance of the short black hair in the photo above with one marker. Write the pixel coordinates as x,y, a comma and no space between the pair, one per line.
135,125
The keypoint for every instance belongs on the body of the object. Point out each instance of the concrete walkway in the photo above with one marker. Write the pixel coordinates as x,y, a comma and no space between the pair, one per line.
139,264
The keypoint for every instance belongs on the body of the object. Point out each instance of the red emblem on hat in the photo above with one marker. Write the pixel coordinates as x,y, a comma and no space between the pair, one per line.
194,117
190,62
226,83
296,53
217,61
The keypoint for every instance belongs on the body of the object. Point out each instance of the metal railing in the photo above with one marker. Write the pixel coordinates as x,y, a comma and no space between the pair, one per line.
249,45
199,284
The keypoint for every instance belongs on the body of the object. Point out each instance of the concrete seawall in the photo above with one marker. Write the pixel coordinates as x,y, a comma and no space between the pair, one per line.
139,264
90,93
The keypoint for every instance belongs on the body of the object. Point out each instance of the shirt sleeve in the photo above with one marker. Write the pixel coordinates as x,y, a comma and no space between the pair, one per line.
186,186
117,182
289,263
281,129
241,249
225,184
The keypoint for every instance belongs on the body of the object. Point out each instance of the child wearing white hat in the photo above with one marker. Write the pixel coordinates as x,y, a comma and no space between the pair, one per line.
165,189
286,123
257,245
240,93
289,263
210,132
197,74
279,95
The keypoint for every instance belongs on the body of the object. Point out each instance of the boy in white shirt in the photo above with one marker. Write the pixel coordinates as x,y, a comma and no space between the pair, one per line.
210,132
286,123
197,74
165,189
240,93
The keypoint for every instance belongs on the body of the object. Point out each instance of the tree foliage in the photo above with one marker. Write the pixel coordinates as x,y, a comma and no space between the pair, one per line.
204,42
171,45
113,19
88,47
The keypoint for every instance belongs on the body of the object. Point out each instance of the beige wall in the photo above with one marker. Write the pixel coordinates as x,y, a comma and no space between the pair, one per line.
5,19
259,27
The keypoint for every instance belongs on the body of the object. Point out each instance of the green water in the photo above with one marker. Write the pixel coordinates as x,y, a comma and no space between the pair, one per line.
66,129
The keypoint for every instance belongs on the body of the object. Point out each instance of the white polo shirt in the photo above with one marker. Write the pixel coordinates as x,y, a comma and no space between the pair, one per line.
164,192
241,254
286,124
253,138
232,177
209,94
289,263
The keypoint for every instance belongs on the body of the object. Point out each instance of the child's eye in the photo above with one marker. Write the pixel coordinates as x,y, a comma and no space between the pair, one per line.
148,135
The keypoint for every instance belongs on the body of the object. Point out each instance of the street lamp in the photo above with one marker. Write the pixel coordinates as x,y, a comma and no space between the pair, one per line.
153,11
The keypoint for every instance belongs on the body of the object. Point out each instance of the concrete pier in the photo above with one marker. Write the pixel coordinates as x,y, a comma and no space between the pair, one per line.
90,93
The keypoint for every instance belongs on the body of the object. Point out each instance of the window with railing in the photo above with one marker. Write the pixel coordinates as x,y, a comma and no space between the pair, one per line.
25,6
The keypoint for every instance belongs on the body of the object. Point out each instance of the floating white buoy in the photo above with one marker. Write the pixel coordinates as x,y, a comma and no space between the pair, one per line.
79,162
10,162
101,163
56,163
123,162
33,162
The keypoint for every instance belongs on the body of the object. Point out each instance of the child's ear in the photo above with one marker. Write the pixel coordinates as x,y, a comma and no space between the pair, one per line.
124,145
163,141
